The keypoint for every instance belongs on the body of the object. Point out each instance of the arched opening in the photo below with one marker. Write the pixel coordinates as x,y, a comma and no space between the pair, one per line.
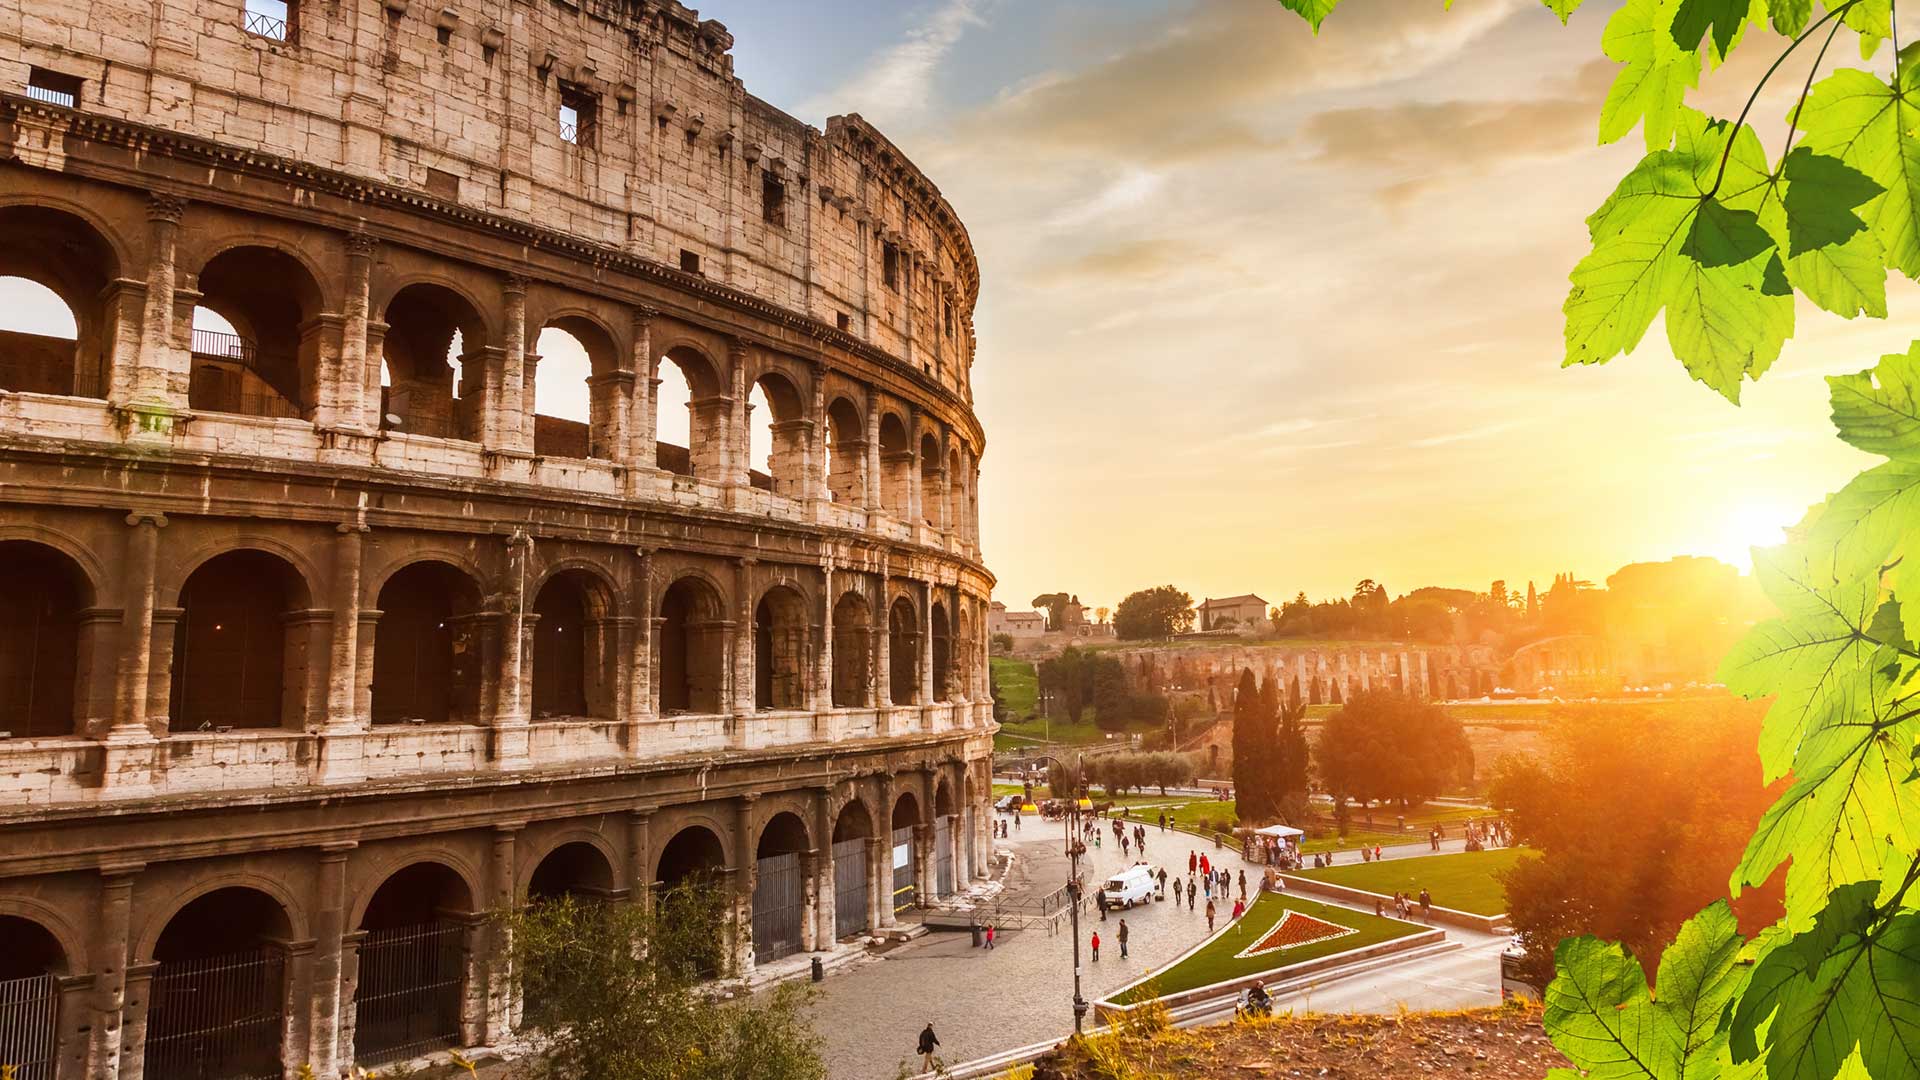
691,906
906,868
436,359
779,888
852,652
852,836
57,320
965,663
942,654
779,436
690,416
39,638
572,409
233,647
576,869
957,493
903,652
412,965
945,837
31,962
933,491
691,654
426,649
572,659
896,467
846,464
216,1006
780,650
256,344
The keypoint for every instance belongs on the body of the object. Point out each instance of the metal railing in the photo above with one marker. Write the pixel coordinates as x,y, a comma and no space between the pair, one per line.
28,1008
47,94
412,980
217,1018
220,345
267,26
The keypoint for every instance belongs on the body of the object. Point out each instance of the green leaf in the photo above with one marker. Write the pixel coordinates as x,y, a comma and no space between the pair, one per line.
1315,11
1655,76
1865,995
1873,21
1879,410
1695,17
1600,1015
1731,308
1561,8
1855,117
1807,207
1789,17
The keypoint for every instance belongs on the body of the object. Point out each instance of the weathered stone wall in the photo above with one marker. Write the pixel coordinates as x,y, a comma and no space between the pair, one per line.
1322,675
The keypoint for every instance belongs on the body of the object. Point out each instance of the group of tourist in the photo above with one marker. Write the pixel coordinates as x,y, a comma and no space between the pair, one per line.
1403,905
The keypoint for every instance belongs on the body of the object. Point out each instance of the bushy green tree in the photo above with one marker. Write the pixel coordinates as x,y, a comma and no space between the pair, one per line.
1155,613
1384,746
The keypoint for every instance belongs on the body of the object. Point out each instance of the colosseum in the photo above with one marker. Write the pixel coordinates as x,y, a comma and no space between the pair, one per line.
321,641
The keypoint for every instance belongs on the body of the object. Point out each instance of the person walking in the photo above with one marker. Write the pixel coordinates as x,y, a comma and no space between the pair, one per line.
928,1040
1239,908
1209,915
1100,899
1193,861
1243,883
1123,939
1096,946
1176,892
1163,821
1426,906
1192,895
1206,867
989,937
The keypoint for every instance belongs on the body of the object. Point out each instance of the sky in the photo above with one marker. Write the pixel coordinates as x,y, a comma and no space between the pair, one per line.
1264,312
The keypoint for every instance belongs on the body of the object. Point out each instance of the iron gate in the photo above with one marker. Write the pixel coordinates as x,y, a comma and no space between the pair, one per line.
943,856
28,1008
849,887
217,1018
905,891
779,907
412,980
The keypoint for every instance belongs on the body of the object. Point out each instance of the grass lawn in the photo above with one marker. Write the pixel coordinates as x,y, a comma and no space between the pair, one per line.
1194,814
1216,961
1466,881
1018,682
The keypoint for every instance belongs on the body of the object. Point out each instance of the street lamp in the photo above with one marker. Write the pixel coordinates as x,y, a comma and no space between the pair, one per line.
1075,847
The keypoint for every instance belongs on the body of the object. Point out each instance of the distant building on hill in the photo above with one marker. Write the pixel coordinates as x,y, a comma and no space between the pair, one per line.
1245,612
1016,624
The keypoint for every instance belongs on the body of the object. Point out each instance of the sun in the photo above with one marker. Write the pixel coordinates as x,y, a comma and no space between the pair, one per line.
1751,525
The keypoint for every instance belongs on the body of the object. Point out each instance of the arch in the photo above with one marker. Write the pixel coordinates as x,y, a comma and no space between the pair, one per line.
29,949
780,649
906,811
694,853
217,1000
690,865
573,657
903,652
846,464
573,410
47,592
708,415
574,868
896,467
933,490
268,362
414,962
690,649
959,497
233,647
852,651
783,834
426,646
854,821
70,254
780,910
779,435
943,804
435,350
942,646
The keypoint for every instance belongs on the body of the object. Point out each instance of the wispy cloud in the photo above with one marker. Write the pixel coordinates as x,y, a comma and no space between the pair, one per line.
897,87
1485,431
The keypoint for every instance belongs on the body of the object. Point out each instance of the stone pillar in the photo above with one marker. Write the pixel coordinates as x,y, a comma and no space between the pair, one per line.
505,426
741,671
110,953
642,413
96,664
129,754
325,1052
816,486
344,656
874,496
640,856
359,365
646,704
888,793
882,652
826,899
363,667
929,693
739,456
135,1002
501,878
611,396
166,622
916,497
822,697
157,385
810,892
945,520
743,881
923,862
509,720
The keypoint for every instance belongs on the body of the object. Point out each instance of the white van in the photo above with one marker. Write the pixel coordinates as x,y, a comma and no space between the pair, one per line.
1131,886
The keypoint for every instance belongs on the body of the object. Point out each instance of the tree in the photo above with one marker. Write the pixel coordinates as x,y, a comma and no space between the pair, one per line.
1632,842
618,990
1062,679
1002,644
1252,745
1289,766
1153,613
1055,605
1709,235
1383,746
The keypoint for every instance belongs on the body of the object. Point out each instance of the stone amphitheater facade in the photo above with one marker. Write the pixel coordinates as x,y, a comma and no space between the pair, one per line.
320,642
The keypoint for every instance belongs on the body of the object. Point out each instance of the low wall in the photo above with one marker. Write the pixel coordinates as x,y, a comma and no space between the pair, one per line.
1466,920
1107,1011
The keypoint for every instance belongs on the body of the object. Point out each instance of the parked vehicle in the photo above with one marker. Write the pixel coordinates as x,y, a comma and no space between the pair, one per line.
1008,804
1131,886
1513,980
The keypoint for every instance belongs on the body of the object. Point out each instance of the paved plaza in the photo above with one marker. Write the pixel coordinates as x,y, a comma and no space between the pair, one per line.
983,1003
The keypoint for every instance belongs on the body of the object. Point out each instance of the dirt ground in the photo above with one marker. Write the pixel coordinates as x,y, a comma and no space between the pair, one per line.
1504,1043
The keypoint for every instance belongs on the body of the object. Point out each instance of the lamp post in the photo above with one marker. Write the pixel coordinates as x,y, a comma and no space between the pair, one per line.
1075,847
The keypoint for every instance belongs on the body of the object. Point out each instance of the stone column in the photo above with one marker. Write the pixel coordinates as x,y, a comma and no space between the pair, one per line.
501,1001
739,457
823,656
611,396
135,1001
359,364
826,899
810,892
884,827
874,496
110,953
923,876
166,622
642,413
822,433
646,705
96,663
742,672
129,756
509,720
744,875
506,426
944,522
882,651
325,1052
929,693
363,667
344,656
157,385
640,856
916,497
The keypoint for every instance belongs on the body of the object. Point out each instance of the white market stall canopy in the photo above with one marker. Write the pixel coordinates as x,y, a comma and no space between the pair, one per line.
1280,832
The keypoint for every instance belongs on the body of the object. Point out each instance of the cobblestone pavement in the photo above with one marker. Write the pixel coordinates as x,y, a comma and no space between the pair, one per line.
982,1002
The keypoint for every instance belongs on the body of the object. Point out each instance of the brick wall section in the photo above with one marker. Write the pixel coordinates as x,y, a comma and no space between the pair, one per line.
35,364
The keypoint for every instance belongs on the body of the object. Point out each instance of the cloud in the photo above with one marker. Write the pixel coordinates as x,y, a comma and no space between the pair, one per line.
897,88
1485,431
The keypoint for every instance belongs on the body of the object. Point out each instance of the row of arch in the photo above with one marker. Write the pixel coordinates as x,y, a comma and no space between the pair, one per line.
245,637
257,336
222,995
